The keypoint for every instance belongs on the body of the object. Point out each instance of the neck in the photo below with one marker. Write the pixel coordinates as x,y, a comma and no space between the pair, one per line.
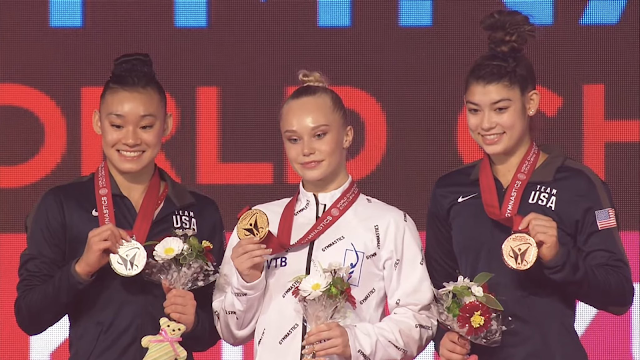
133,185
504,166
326,185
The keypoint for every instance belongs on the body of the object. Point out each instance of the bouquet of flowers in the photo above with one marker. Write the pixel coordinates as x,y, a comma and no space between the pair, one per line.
323,294
468,308
181,262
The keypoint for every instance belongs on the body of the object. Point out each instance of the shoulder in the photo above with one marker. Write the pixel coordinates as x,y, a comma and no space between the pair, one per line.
79,188
459,182
456,177
381,210
580,180
204,201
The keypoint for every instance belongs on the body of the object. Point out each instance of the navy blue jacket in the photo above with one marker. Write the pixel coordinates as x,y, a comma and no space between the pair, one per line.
108,314
591,265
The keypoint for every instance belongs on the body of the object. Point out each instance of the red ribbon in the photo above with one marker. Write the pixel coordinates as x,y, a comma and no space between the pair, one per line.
508,214
150,203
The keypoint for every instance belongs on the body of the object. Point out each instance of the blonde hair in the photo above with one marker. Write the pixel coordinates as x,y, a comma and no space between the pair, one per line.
312,78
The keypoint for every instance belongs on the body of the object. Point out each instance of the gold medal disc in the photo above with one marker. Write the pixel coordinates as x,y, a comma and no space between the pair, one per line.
519,251
253,223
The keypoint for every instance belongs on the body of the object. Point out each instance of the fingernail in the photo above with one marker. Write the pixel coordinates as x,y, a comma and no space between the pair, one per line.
270,250
263,246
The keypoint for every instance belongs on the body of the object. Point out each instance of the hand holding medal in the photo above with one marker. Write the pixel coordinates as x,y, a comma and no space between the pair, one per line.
544,232
102,243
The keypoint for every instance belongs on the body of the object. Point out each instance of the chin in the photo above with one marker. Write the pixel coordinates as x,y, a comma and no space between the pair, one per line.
314,175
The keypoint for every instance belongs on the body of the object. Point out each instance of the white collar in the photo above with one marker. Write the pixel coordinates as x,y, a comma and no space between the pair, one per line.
323,198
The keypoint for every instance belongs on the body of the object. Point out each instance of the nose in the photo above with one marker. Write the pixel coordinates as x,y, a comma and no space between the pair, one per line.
131,137
307,148
487,121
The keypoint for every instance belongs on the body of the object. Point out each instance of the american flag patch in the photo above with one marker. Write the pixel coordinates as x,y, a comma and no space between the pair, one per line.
606,218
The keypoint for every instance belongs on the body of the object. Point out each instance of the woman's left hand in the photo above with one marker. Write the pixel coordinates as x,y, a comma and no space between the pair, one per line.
328,339
545,232
180,306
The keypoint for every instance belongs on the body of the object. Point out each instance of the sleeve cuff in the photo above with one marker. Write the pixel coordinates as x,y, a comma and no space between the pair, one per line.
78,279
558,260
240,286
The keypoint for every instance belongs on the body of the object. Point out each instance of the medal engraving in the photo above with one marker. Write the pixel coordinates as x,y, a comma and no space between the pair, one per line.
519,251
130,259
253,223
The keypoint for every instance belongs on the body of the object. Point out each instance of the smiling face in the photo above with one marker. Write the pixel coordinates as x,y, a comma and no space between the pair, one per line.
498,117
132,123
316,142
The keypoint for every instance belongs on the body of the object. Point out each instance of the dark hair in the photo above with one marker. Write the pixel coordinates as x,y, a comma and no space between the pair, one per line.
133,71
314,84
505,61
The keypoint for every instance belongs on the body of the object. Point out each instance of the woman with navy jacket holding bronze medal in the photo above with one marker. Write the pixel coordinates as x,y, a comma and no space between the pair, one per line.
78,228
543,224
327,221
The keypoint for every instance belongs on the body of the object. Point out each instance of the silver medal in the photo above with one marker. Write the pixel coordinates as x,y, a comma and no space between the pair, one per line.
130,259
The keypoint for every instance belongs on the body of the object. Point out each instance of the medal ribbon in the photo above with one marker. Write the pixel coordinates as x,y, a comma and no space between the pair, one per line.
150,203
339,207
508,215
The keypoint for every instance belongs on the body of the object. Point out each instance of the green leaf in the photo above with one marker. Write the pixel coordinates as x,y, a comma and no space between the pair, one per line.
490,301
453,309
184,260
482,278
151,243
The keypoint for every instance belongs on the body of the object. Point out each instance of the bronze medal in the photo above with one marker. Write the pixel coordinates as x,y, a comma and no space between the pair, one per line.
519,251
253,223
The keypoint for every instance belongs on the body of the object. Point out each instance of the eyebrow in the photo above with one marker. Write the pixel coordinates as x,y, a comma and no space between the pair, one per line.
493,103
312,129
120,116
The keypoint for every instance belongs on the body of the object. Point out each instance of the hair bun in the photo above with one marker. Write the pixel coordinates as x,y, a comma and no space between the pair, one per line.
508,31
312,78
133,64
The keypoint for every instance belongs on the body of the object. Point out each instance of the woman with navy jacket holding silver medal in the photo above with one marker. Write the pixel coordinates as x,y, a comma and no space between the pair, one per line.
77,229
328,220
547,233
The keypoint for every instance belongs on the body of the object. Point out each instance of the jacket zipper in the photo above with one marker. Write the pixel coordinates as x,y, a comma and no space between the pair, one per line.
308,269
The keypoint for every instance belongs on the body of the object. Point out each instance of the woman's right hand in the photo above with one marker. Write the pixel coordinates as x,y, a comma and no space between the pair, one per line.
455,347
248,257
101,243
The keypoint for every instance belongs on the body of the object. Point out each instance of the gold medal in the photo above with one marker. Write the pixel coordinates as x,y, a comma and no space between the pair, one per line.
130,259
519,251
253,223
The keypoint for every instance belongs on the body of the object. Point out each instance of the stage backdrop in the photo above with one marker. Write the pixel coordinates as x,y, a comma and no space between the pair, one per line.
227,66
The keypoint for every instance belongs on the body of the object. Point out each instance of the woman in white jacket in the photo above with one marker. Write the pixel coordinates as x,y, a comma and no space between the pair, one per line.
380,244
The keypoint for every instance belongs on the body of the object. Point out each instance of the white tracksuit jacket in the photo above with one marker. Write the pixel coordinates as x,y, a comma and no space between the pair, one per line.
385,247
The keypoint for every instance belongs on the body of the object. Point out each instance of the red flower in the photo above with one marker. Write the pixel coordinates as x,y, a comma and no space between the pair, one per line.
350,299
476,317
209,257
296,292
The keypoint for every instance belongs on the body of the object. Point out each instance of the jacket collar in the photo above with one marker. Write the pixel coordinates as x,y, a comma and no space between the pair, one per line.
323,198
545,172
178,193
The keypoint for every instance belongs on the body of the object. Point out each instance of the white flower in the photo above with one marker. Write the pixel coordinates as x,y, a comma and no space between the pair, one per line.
189,232
477,290
313,285
168,248
340,270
